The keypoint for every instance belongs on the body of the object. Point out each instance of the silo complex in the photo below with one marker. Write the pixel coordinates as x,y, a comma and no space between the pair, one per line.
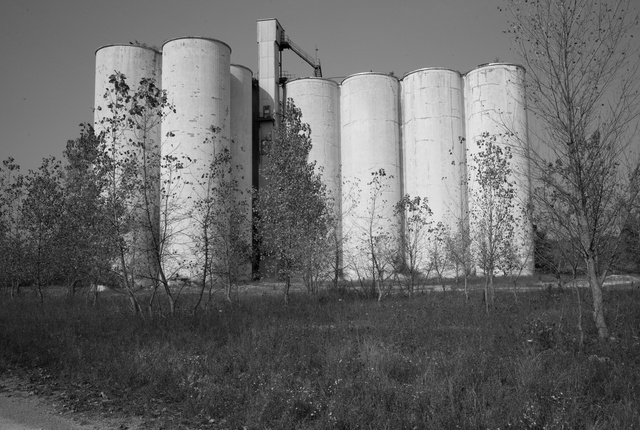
143,143
196,75
495,103
432,129
422,132
241,150
370,139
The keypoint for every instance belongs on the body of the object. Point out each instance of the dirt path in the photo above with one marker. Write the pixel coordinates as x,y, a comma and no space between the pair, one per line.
21,409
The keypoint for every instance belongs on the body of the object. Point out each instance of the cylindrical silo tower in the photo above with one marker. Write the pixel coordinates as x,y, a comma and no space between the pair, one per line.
142,142
241,150
370,142
433,148
196,76
495,103
135,62
319,101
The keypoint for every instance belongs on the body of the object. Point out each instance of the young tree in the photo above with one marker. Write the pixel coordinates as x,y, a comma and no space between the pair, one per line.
81,238
438,253
323,257
291,209
11,237
415,214
132,161
222,246
376,236
583,88
458,244
457,235
492,208
518,253
41,216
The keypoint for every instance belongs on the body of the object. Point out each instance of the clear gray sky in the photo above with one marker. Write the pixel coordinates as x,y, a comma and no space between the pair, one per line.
47,51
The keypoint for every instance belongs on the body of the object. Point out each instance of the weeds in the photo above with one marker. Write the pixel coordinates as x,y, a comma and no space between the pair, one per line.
338,362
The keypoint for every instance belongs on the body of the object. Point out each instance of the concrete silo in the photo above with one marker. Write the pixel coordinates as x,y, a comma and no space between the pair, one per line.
196,75
319,101
370,141
135,62
495,103
434,155
241,148
142,143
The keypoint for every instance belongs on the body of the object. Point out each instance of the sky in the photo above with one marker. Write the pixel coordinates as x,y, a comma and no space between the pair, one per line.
47,55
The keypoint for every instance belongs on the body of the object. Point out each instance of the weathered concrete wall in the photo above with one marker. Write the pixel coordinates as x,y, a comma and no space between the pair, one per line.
196,75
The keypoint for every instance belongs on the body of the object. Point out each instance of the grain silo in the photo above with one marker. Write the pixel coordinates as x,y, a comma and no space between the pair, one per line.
433,152
135,62
370,142
495,103
196,75
319,101
143,143
241,149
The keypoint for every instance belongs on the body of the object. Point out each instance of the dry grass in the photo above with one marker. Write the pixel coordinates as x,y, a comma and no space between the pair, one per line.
338,361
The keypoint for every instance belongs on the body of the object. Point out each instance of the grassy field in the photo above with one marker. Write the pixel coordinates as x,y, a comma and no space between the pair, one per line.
432,361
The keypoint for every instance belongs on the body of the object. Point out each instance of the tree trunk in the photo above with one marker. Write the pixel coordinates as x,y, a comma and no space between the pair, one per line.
201,294
153,298
493,289
598,303
135,306
228,286
129,283
287,284
71,289
580,329
486,295
466,287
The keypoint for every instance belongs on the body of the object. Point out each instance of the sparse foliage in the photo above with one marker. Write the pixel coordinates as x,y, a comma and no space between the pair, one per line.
439,257
131,164
492,208
583,87
413,259
221,247
458,244
376,236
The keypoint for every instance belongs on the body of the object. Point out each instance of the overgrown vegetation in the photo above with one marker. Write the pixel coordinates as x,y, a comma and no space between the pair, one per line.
428,361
